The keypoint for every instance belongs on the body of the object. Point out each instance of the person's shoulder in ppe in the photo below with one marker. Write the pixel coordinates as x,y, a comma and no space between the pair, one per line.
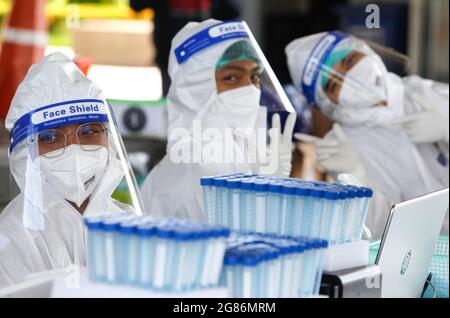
169,192
423,94
419,84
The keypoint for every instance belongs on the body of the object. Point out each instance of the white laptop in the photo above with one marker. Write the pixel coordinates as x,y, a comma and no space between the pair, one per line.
408,243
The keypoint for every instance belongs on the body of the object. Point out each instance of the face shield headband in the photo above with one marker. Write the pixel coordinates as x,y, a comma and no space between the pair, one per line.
213,35
56,115
318,56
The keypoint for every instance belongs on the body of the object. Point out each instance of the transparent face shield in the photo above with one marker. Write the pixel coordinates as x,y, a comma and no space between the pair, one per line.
242,91
70,157
345,71
243,77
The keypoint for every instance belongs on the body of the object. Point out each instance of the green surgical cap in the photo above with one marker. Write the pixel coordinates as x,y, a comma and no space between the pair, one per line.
239,51
334,58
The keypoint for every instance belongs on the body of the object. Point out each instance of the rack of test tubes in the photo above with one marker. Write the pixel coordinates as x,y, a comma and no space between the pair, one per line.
163,255
270,266
251,203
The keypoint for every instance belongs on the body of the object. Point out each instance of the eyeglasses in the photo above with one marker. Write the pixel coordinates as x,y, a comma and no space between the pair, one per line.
90,136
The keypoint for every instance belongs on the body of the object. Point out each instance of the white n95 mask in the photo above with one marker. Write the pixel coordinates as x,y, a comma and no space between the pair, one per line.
75,174
238,108
364,85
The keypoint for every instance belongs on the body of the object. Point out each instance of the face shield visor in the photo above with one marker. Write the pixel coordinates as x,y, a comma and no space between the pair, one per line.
70,156
245,83
344,71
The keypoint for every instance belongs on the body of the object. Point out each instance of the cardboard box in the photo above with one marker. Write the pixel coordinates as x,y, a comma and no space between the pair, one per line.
116,42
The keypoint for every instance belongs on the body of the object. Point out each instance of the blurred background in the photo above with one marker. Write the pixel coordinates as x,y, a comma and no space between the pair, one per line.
123,45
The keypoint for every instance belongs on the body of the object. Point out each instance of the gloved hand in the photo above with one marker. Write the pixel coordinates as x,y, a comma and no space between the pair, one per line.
429,126
335,153
280,148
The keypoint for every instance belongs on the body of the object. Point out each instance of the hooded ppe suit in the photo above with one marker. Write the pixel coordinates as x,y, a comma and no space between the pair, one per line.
39,229
394,166
173,189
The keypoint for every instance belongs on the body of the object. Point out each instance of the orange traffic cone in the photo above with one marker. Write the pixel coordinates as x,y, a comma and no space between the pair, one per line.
24,41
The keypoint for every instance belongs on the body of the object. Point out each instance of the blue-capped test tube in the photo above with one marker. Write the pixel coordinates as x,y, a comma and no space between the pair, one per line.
247,204
339,211
329,220
299,266
355,230
146,254
322,246
221,200
302,222
317,201
231,268
111,244
249,274
273,259
287,205
286,256
347,218
182,238
95,257
307,274
127,270
204,248
209,199
195,250
162,237
260,188
219,246
234,191
368,194
274,206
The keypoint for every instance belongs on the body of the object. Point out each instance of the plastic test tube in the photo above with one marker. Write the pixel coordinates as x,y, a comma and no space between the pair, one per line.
298,269
349,211
249,271
339,211
329,217
322,247
127,266
209,199
146,254
111,242
195,250
303,212
273,211
163,235
219,247
368,194
307,277
247,204
317,200
231,263
182,237
288,205
95,259
356,226
203,249
221,200
261,188
233,212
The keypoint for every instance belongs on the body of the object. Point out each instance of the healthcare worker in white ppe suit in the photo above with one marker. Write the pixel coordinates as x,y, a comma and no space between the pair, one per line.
64,159
219,78
391,133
